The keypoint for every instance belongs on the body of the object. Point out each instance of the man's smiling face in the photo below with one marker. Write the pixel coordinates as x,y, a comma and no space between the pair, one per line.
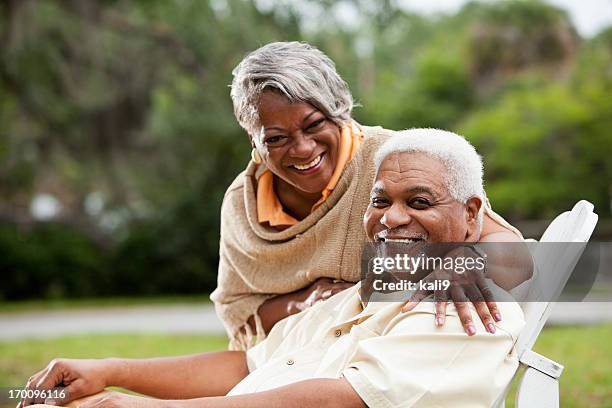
410,201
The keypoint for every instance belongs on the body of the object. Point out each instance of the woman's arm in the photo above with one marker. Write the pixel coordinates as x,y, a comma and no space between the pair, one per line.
281,306
511,264
516,264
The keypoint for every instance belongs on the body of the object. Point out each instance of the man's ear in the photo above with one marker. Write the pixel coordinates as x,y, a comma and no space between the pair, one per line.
473,206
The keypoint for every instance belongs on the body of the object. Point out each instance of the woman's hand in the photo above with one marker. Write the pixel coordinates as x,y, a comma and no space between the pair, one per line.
79,377
281,306
467,286
321,289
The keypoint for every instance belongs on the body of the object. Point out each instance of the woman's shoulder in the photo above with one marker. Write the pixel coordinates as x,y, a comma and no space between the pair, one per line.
237,184
373,138
234,199
234,195
375,133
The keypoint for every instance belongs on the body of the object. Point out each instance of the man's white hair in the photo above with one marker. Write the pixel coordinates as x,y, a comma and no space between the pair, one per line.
297,70
464,169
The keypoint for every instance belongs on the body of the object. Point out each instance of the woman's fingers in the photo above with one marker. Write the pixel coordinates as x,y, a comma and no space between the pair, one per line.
461,303
340,286
441,302
482,309
488,297
326,294
415,299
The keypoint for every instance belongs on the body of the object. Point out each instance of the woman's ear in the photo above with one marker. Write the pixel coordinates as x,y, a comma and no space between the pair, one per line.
473,206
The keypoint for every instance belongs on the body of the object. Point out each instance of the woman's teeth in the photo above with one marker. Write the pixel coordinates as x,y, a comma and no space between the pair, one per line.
307,166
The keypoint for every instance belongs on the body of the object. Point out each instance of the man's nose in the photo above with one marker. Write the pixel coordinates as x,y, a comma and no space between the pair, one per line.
396,215
302,147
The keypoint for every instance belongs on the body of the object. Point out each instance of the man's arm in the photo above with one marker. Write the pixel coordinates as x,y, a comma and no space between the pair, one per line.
315,393
193,376
208,374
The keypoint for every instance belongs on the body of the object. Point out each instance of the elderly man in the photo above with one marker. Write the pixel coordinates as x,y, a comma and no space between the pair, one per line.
340,352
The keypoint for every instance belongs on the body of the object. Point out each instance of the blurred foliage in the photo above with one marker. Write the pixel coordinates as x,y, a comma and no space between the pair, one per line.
50,261
121,111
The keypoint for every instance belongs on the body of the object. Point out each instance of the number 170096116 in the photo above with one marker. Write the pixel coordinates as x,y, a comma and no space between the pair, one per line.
57,393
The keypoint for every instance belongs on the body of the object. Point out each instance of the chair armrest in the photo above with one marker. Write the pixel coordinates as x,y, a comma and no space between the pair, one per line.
539,362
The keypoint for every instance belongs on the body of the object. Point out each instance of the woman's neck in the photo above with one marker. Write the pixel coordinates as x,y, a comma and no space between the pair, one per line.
295,202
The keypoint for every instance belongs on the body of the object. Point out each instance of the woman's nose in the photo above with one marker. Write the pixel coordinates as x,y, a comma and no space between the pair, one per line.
302,147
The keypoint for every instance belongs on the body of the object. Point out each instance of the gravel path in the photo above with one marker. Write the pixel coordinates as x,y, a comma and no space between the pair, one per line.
195,319
165,319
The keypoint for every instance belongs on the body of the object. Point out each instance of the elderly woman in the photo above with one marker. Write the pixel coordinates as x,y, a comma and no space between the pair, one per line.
291,223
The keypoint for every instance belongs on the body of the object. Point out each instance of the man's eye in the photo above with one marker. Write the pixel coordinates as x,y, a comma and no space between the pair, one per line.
378,202
315,125
274,140
420,203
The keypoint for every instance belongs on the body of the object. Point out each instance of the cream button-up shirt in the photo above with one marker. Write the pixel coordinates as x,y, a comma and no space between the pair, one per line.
391,359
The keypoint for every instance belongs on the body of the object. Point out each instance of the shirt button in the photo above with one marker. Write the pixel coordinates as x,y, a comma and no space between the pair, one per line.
338,333
290,362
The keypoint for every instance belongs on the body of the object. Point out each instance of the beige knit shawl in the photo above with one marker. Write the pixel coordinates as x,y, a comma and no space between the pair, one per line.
258,262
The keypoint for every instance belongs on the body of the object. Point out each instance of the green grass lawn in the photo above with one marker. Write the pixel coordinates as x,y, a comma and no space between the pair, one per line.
57,304
586,353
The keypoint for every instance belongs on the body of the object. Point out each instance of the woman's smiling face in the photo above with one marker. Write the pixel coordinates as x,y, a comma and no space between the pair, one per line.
297,142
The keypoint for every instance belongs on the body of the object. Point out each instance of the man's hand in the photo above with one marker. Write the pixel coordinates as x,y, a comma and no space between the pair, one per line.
321,289
80,377
465,287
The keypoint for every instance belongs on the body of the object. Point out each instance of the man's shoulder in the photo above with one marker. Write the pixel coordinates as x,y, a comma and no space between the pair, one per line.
421,319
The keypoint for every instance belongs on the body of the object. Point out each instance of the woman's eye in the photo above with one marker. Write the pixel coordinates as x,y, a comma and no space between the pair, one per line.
420,203
316,124
274,140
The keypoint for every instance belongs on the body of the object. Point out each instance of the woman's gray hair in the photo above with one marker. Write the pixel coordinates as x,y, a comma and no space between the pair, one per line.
299,71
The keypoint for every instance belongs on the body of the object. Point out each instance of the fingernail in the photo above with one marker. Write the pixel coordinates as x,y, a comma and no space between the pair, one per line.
440,321
497,316
471,330
406,307
491,327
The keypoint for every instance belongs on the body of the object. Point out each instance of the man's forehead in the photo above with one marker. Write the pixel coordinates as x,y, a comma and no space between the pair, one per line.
410,168
407,161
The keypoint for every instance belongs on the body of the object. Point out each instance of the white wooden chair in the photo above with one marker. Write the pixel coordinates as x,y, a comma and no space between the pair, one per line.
539,385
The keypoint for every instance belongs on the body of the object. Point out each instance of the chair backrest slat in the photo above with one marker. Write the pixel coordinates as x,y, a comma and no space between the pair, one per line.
553,267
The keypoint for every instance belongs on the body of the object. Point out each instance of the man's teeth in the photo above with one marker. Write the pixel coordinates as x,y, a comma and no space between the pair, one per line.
402,240
307,166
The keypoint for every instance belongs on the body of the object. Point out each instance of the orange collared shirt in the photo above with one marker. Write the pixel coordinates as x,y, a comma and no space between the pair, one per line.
269,207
